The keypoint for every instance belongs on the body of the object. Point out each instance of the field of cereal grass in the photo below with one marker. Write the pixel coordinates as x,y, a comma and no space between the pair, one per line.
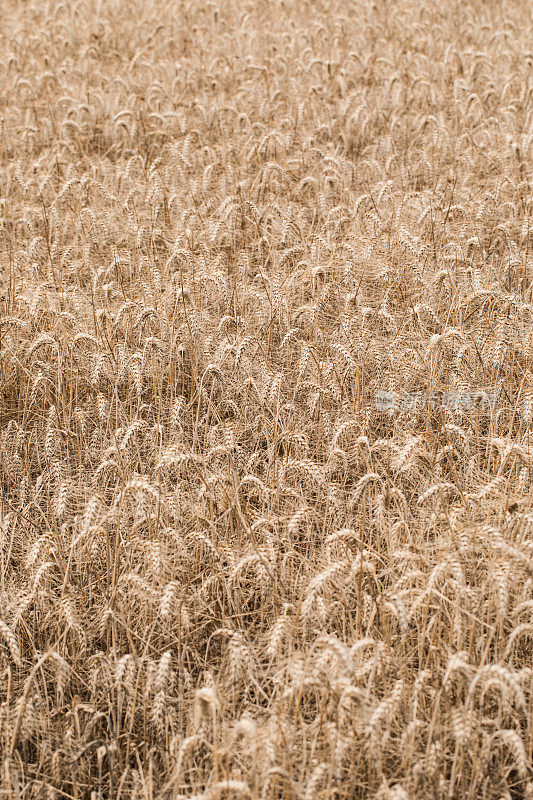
266,398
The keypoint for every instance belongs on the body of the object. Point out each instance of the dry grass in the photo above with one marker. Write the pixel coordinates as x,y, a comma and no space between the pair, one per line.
224,572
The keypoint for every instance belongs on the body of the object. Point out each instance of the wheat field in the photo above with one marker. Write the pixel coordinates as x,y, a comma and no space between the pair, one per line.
266,399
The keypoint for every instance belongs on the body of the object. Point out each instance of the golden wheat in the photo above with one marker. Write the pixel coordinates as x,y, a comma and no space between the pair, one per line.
266,396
